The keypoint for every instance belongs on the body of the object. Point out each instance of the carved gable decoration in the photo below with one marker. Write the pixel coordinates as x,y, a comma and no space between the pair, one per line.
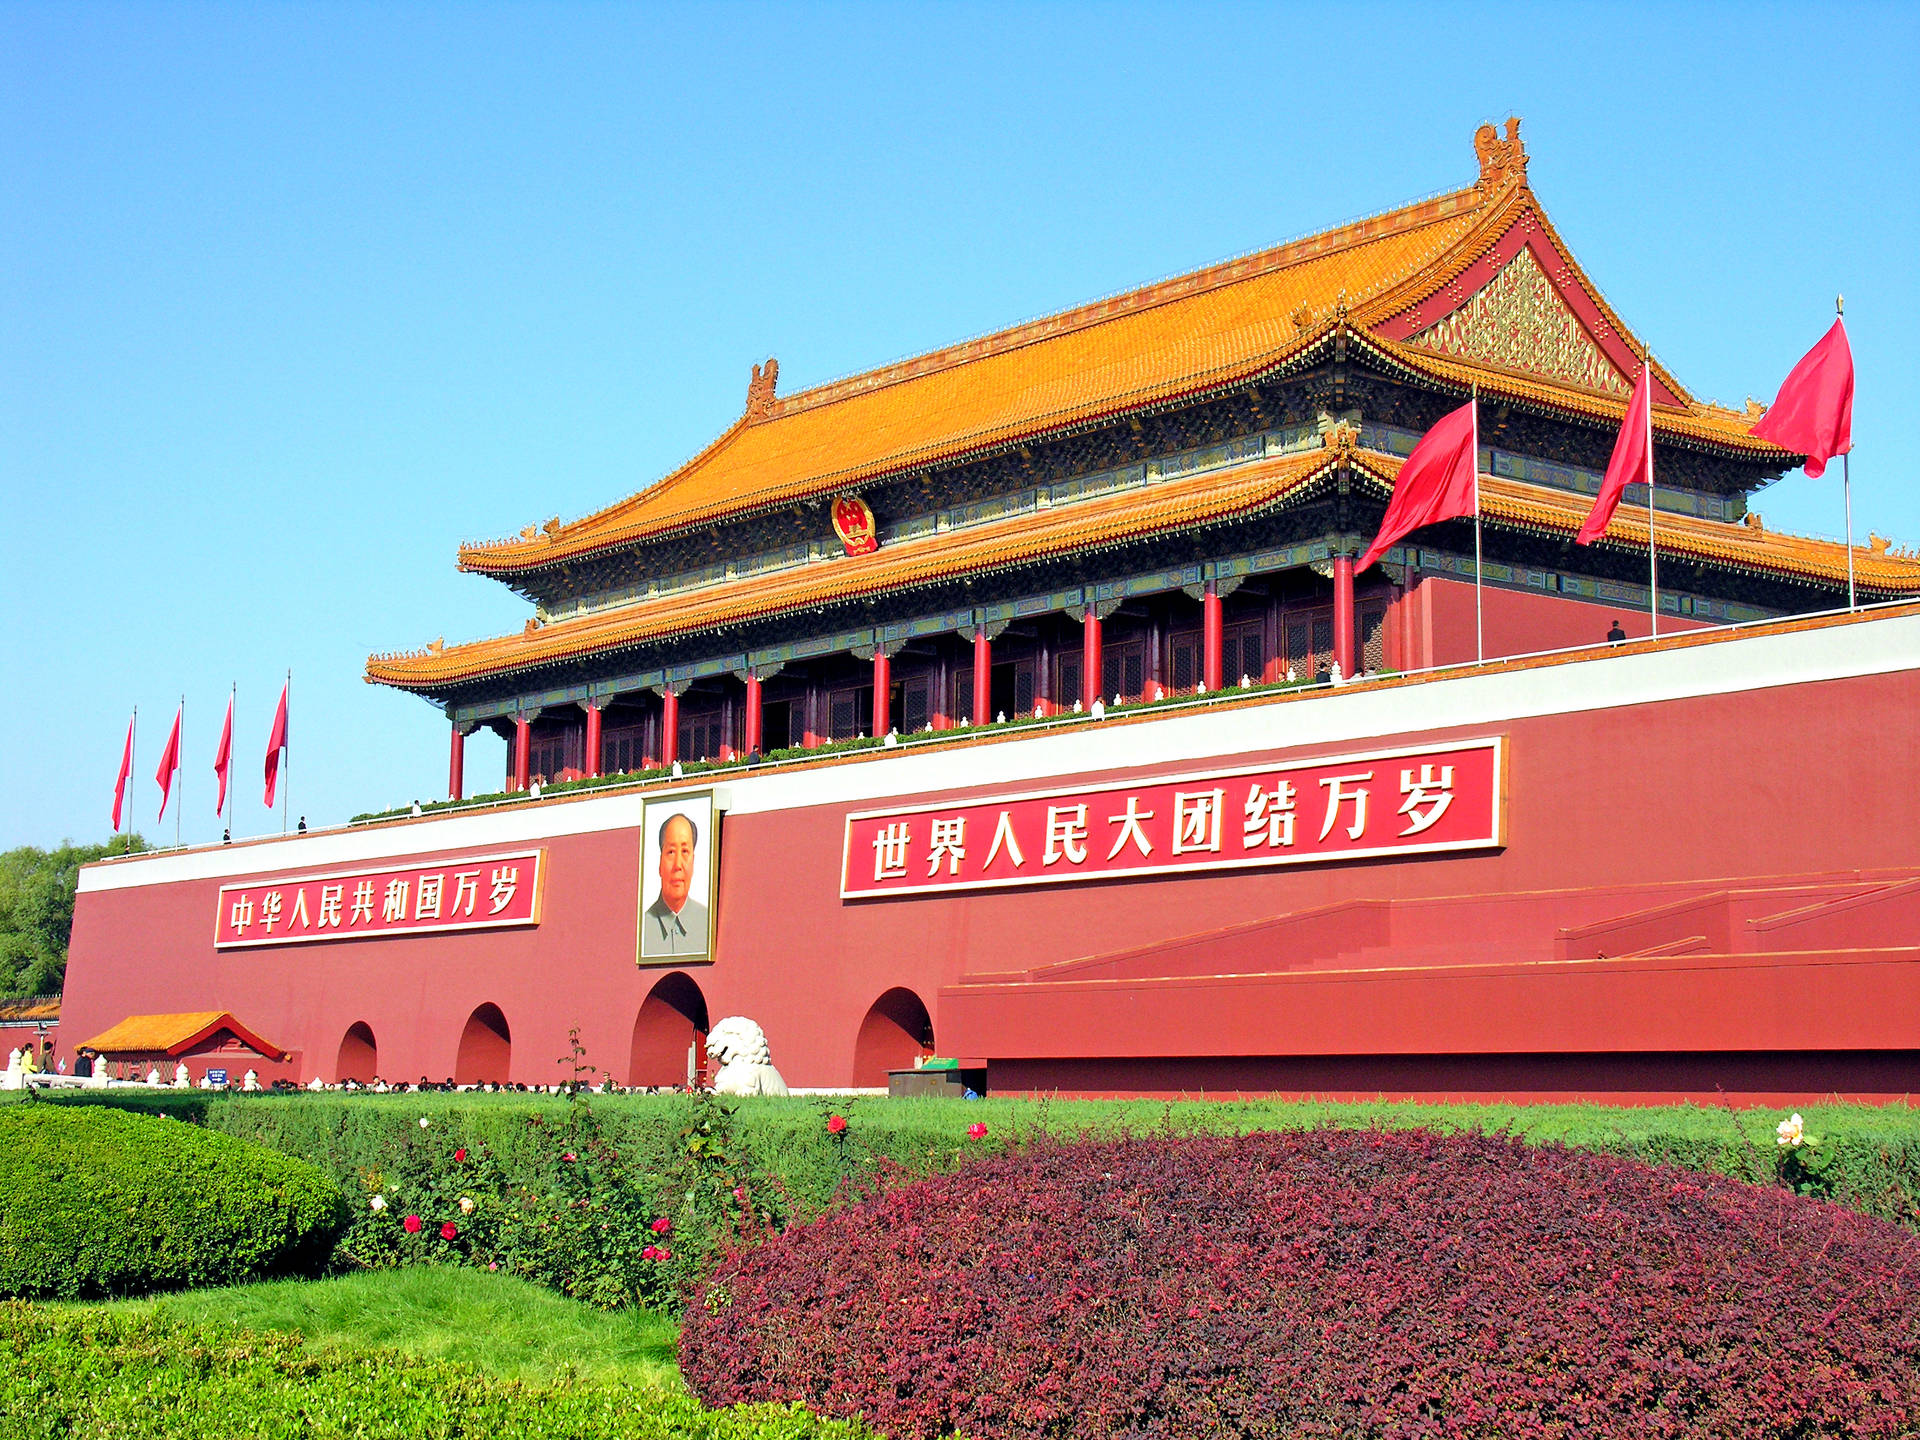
1518,320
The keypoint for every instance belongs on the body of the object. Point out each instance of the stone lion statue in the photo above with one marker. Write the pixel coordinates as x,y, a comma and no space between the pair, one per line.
746,1068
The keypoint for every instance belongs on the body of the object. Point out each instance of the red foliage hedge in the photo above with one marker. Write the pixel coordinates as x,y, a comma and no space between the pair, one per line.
1325,1283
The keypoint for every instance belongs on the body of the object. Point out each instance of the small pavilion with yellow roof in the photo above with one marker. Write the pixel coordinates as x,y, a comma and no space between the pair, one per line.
1151,494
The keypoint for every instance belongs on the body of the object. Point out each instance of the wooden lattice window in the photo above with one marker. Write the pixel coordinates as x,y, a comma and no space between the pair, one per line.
1185,660
623,749
1123,670
1371,621
701,735
962,696
916,704
848,712
1243,650
1068,669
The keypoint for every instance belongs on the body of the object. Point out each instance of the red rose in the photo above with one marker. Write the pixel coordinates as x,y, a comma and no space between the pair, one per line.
447,1232
740,1192
976,1131
568,1157
649,1253
663,1254
411,1224
836,1123
460,1155
662,1225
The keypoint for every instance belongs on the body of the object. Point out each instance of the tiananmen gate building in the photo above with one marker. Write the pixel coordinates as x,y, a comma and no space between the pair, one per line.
1019,703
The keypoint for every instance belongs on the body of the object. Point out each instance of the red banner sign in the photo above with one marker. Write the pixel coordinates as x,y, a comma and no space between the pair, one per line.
477,892
1350,807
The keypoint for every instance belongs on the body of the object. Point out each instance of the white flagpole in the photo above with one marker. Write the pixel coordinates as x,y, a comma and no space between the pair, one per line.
179,775
1653,559
286,755
1479,623
1846,477
133,769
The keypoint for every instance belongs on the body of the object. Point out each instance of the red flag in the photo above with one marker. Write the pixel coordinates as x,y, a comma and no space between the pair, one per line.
169,763
1436,482
1632,462
223,757
1813,414
126,772
276,742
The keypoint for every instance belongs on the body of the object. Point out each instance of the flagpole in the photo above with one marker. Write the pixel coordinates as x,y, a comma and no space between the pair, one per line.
286,756
1846,475
133,767
180,778
226,781
1479,624
1653,558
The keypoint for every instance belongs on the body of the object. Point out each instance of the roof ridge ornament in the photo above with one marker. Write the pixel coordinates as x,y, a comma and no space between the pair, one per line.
1502,162
760,391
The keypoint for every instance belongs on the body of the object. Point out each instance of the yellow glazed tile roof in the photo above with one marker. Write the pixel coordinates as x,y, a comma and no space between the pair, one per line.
1746,547
1108,520
1220,326
173,1034
1179,337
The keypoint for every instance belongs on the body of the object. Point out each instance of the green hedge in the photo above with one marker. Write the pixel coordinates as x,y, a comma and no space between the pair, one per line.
89,1372
1870,1153
97,1201
580,1226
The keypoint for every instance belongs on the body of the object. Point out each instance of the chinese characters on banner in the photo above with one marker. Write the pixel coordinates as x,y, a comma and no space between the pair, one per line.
1399,802
475,892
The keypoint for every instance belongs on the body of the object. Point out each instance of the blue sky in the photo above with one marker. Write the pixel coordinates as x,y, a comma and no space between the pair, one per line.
295,298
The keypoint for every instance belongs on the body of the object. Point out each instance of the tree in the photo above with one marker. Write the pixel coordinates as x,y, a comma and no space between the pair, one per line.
36,911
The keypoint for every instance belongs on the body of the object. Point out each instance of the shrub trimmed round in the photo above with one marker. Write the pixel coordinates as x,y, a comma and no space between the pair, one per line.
1324,1283
96,1201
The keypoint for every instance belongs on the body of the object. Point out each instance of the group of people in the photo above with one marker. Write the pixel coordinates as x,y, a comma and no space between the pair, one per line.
26,1060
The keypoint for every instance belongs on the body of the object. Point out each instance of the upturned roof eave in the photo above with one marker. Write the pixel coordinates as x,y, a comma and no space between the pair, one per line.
388,670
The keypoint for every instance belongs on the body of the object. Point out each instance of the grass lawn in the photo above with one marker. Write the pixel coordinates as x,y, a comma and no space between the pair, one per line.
507,1328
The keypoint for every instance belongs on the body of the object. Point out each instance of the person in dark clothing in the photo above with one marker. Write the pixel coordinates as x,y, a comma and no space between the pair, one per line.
1616,634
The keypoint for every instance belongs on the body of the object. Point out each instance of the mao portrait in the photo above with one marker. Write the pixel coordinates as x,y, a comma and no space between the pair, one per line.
676,878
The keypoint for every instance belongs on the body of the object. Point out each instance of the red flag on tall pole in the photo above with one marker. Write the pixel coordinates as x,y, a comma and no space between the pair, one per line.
223,759
1813,413
1632,462
276,742
126,771
169,762
1436,482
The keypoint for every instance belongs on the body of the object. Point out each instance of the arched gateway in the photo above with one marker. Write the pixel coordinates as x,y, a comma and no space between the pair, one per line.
359,1057
672,1022
486,1048
896,1029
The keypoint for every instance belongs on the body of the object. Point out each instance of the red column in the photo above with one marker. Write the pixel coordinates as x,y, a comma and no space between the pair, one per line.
1210,638
1343,614
882,692
752,727
457,765
1090,658
592,757
522,751
669,727
982,676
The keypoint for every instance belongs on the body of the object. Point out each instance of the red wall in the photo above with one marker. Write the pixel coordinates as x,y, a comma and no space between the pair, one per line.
1437,617
1778,782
